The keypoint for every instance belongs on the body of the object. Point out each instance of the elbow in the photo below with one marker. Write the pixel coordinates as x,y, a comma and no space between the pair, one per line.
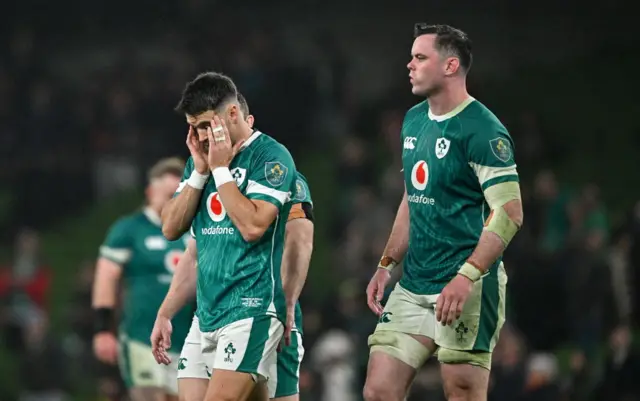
252,233
518,218
170,233
514,211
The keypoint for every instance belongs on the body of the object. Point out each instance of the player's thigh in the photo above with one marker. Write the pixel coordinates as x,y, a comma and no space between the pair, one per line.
388,378
406,328
192,363
245,354
284,383
466,347
401,344
190,389
249,346
139,368
228,385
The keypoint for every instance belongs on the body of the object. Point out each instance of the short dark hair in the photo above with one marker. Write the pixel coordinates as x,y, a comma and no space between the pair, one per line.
170,165
449,40
208,91
244,106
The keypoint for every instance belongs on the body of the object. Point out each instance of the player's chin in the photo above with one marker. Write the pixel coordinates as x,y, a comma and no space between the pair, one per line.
418,90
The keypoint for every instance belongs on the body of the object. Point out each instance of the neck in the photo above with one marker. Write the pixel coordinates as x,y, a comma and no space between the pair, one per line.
244,132
448,98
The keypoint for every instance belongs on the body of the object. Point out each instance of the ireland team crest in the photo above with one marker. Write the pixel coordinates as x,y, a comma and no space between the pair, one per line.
275,173
442,147
239,174
501,149
301,193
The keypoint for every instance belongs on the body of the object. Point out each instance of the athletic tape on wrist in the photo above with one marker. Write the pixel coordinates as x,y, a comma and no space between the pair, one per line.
221,176
387,263
470,271
197,180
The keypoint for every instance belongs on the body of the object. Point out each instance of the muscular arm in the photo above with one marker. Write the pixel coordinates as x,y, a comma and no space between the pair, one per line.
183,283
398,242
251,217
105,284
491,246
179,212
297,255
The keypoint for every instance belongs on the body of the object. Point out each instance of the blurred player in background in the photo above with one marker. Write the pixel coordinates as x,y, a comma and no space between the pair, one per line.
235,198
460,209
192,371
136,251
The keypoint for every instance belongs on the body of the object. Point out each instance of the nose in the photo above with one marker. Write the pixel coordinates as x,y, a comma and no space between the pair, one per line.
410,65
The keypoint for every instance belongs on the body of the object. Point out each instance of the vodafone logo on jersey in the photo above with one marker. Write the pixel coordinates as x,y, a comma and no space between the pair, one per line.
420,175
215,208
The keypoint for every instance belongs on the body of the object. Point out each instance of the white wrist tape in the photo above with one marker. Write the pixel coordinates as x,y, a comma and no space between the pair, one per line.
470,271
221,176
197,180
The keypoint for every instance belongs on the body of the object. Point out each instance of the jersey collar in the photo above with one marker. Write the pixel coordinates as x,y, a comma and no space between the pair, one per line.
453,112
153,216
250,140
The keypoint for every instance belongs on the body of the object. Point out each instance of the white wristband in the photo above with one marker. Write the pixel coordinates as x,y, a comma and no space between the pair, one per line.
197,180
221,176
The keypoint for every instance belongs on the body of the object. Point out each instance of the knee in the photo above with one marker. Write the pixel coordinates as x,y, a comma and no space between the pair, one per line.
457,391
463,382
377,391
374,392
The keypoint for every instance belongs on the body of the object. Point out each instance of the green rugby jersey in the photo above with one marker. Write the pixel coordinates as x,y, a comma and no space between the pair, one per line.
237,279
302,195
148,260
448,162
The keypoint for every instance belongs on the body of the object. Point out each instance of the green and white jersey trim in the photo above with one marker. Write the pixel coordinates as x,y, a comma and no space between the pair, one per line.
257,188
120,256
487,175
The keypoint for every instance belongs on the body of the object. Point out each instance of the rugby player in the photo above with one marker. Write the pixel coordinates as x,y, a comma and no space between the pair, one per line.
461,208
235,198
192,370
136,253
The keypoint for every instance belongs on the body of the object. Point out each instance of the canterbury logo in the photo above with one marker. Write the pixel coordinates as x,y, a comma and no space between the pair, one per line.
409,142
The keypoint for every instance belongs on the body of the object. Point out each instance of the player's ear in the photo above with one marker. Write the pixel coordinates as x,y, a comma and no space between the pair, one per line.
451,66
250,120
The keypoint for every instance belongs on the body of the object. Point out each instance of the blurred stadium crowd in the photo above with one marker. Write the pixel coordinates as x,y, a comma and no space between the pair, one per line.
79,124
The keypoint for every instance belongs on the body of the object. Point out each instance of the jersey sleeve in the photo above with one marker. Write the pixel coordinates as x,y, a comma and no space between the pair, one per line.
301,196
118,245
302,193
272,176
490,155
188,169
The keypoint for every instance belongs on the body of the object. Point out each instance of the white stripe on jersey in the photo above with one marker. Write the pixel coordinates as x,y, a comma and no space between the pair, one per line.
121,256
256,188
486,173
